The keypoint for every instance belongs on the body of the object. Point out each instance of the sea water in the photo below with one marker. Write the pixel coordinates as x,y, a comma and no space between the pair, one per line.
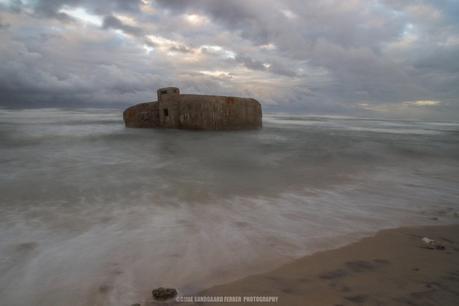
93,213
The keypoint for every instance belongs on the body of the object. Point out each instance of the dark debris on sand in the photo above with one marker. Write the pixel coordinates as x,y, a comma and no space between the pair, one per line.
162,294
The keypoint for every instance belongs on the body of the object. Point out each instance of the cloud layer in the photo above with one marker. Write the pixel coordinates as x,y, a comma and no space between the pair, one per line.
374,58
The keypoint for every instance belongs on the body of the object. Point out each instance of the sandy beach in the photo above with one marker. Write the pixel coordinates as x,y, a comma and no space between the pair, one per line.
394,267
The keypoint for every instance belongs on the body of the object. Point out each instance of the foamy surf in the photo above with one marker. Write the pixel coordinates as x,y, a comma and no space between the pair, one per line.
96,214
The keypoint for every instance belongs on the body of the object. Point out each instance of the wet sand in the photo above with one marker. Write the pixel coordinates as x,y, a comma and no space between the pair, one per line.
391,268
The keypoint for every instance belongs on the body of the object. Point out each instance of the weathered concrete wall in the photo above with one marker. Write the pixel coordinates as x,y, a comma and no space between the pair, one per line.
198,112
219,113
143,115
169,109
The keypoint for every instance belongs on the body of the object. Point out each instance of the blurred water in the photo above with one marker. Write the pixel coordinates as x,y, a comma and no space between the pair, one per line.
92,213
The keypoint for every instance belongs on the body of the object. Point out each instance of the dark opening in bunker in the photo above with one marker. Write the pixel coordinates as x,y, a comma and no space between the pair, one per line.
166,112
162,92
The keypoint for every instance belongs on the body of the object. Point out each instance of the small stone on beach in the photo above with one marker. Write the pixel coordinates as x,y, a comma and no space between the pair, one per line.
163,294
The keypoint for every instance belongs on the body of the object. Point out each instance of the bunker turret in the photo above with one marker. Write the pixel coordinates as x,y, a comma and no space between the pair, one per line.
169,107
200,112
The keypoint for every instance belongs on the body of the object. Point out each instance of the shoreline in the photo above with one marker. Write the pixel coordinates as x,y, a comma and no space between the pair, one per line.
392,267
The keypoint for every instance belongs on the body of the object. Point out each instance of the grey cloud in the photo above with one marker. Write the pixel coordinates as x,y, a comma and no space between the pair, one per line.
242,15
282,69
329,42
262,21
50,8
111,22
181,49
13,5
250,62
3,25
450,8
320,56
100,73
440,60
271,66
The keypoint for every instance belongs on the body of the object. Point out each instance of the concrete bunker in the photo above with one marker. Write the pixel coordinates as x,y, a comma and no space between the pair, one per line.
199,112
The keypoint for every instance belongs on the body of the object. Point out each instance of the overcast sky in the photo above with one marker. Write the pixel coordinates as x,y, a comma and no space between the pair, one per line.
386,58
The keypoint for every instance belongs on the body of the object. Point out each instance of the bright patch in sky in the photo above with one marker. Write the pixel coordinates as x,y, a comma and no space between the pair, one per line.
217,74
196,20
269,46
126,19
147,8
218,50
161,41
148,49
288,14
423,103
409,28
82,15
